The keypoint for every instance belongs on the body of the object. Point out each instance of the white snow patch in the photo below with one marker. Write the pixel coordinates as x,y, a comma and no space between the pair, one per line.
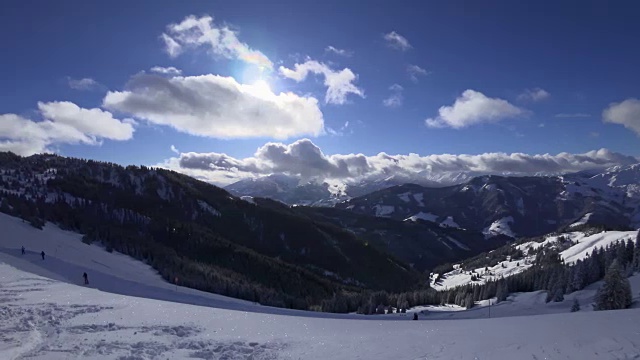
582,220
248,199
404,197
499,227
423,216
449,222
419,197
384,210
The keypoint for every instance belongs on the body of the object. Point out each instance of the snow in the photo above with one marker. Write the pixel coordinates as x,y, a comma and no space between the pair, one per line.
423,216
419,197
384,210
208,208
520,206
45,314
47,319
404,197
460,277
458,243
449,222
587,244
582,220
584,246
248,199
499,227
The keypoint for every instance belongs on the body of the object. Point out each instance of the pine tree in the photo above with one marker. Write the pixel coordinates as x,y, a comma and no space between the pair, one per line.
576,306
502,291
468,301
636,253
558,294
615,293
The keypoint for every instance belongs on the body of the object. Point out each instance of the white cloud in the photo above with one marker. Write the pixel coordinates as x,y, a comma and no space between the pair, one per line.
63,123
339,83
303,158
471,108
84,84
397,41
572,115
171,46
216,106
175,149
626,113
194,32
414,71
534,95
166,70
339,132
341,52
395,99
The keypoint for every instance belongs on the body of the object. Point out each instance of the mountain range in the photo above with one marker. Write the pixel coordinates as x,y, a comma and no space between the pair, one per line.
514,206
367,236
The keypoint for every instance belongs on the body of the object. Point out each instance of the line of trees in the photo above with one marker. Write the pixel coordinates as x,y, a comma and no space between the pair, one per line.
613,263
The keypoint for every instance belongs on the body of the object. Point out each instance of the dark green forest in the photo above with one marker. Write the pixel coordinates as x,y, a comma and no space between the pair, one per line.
199,233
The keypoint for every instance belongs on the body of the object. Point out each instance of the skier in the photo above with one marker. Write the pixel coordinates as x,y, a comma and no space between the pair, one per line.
42,254
415,316
86,278
23,252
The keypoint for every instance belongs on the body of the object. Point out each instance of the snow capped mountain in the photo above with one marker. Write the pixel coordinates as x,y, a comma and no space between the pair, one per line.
294,190
515,206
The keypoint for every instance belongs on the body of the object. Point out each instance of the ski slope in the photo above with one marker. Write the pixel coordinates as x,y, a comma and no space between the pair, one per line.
129,312
42,318
67,258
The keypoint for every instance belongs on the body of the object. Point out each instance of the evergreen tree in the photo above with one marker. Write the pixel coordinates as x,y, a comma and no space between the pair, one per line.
468,301
558,294
502,291
576,306
636,253
579,276
615,293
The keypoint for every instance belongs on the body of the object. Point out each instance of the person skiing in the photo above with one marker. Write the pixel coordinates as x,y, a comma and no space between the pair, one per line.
86,278
415,316
23,252
42,254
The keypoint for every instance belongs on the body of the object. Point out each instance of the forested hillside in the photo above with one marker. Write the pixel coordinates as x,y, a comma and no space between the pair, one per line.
200,233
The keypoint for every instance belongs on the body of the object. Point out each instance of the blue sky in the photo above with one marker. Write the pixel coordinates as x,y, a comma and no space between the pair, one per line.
543,78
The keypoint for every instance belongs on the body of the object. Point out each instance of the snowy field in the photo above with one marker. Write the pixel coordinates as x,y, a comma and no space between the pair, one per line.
131,313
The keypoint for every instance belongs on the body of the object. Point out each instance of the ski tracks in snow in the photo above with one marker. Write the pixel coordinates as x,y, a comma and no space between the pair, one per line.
48,330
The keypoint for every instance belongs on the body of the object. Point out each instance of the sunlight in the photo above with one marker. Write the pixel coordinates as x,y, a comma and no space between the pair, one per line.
262,88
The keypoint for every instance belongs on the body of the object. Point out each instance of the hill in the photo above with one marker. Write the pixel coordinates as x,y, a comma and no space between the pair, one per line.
189,229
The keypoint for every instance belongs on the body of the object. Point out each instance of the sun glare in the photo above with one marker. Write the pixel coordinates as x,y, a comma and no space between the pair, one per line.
262,88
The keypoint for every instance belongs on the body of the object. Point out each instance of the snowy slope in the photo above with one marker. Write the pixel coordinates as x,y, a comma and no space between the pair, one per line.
500,227
583,247
423,216
523,304
46,319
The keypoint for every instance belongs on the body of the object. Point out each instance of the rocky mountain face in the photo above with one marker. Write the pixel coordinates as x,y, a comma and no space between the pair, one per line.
514,206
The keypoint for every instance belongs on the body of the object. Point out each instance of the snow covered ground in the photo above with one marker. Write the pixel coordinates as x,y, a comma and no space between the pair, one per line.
42,318
583,247
133,314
